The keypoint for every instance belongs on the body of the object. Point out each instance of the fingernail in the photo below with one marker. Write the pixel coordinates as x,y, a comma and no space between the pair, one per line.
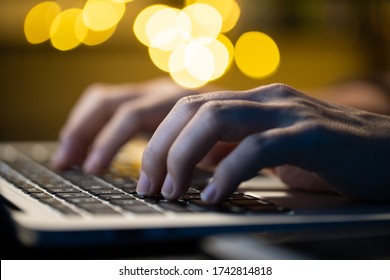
167,187
143,186
209,193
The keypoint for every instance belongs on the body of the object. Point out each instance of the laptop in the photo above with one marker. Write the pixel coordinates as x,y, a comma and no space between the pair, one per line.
62,209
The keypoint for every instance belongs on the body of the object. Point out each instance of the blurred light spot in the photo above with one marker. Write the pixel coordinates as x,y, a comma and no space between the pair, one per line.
167,29
228,9
199,61
90,37
176,60
142,20
99,15
185,79
220,57
62,32
206,20
229,47
257,55
38,21
160,58
122,1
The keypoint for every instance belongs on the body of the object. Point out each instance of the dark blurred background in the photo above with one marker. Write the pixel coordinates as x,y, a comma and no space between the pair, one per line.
320,42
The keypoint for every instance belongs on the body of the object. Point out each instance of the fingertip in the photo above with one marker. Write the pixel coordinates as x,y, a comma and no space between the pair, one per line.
167,189
209,194
94,164
143,185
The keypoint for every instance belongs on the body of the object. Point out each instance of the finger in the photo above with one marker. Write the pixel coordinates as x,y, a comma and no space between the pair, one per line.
154,159
85,121
215,155
267,149
155,154
228,121
125,123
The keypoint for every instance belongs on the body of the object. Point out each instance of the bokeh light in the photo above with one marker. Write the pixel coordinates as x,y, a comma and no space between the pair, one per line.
184,44
168,28
206,20
160,58
257,55
38,21
187,43
228,9
99,15
90,37
229,47
142,20
62,31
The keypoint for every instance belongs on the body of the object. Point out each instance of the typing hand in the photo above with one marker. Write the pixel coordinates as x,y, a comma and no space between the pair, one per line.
273,126
107,116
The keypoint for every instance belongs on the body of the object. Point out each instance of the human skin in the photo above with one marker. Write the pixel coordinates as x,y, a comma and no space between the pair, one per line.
107,116
273,125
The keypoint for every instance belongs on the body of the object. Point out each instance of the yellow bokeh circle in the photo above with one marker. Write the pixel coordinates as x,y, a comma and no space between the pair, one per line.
257,55
99,15
38,21
62,32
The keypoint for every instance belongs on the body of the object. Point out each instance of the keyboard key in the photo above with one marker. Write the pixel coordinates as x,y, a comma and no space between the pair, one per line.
30,189
96,187
50,201
84,200
124,202
111,197
105,191
64,190
73,195
40,195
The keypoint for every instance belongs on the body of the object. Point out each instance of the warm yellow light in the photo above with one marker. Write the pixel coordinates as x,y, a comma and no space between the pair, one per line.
160,58
167,29
221,58
228,9
122,1
38,21
229,47
185,79
90,37
232,17
176,59
142,20
257,55
199,60
206,20
62,31
99,15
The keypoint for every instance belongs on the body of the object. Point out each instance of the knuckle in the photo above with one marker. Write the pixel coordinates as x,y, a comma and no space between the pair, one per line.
213,112
190,103
96,91
281,90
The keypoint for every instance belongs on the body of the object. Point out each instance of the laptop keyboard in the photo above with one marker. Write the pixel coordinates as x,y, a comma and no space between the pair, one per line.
74,193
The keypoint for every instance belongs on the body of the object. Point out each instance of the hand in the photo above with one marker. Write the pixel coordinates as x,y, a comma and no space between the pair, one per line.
348,149
107,116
